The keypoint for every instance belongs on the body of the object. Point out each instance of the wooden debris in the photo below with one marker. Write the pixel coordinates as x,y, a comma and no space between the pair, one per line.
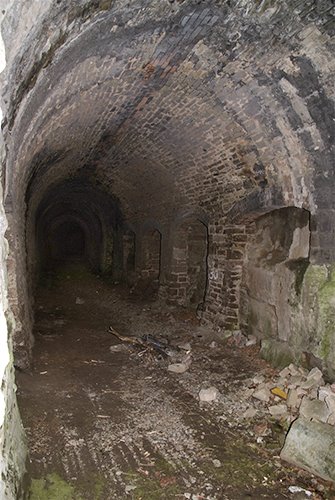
147,343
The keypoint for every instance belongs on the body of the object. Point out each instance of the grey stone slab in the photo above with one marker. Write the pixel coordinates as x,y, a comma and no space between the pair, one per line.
311,445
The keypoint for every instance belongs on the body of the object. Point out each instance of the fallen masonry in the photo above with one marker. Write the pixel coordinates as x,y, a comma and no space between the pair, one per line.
296,398
306,406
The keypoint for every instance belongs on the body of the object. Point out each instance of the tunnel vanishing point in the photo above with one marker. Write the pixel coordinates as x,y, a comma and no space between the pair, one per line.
181,145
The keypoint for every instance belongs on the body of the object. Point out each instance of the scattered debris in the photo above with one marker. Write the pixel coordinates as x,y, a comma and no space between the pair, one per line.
208,395
303,392
292,395
297,489
159,346
185,346
118,348
178,367
182,358
262,394
301,397
251,340
326,391
237,338
80,301
146,342
129,488
250,413
262,429
258,379
278,410
292,398
316,375
314,410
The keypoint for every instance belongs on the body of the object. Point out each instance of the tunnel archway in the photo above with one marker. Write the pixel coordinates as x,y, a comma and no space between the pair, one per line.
116,113
132,125
96,212
64,216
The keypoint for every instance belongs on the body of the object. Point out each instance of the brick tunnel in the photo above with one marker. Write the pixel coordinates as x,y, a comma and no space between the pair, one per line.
167,170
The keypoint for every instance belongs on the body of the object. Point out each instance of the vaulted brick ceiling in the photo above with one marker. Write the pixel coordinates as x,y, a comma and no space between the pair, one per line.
172,104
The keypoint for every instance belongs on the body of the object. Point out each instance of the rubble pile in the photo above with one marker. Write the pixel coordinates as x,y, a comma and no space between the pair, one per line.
294,392
303,403
297,399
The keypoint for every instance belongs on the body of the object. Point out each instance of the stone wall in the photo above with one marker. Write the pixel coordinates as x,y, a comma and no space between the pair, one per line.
313,324
12,439
276,259
284,298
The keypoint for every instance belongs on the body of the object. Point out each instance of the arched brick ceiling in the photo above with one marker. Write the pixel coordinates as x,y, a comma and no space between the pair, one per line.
168,104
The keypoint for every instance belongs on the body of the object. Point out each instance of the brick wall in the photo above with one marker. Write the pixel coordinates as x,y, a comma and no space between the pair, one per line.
226,249
187,279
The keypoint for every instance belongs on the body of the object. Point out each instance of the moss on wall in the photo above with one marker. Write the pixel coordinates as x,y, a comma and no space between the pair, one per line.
318,301
326,300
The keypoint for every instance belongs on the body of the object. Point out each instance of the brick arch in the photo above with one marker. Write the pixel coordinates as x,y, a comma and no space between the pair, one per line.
192,214
150,122
203,105
53,252
151,225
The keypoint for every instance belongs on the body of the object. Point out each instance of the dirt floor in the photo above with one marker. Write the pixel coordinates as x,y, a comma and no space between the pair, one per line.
111,425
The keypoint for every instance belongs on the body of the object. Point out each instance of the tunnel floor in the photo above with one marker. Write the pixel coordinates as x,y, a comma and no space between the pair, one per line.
109,425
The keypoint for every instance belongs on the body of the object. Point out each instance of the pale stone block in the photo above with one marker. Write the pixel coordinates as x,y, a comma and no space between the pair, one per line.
311,445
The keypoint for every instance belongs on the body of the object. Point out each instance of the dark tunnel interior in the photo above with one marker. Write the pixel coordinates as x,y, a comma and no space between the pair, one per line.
76,219
66,241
